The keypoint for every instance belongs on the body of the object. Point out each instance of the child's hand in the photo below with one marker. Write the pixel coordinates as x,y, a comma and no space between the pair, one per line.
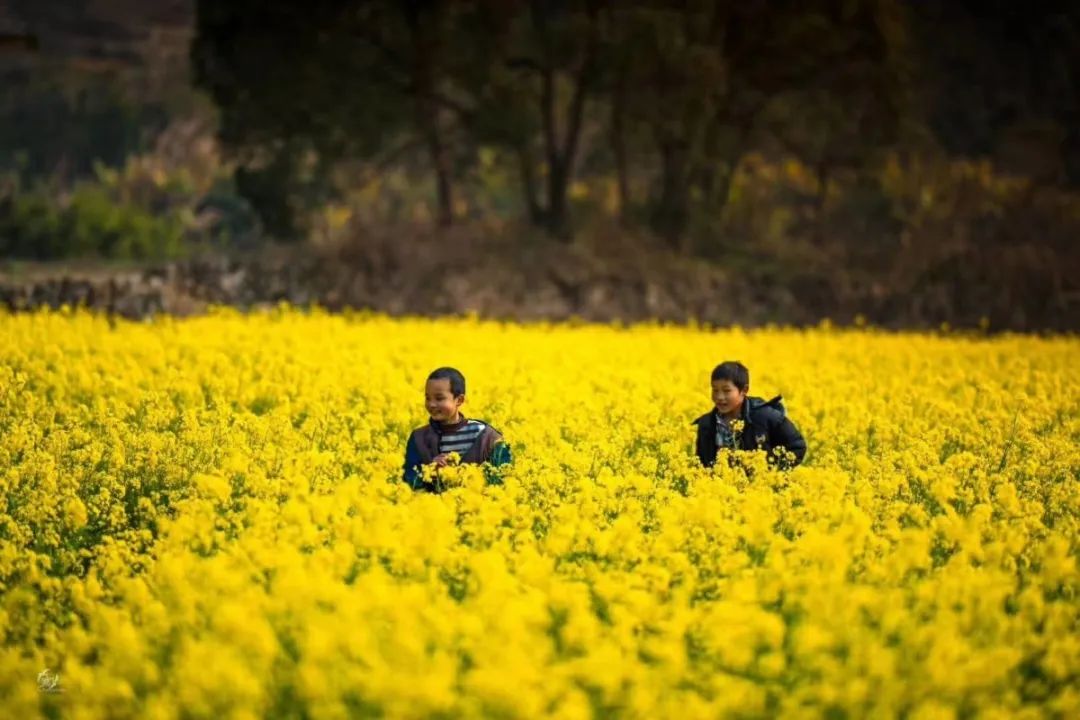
444,459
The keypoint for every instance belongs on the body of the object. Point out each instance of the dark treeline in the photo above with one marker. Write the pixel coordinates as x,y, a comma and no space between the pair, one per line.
672,97
911,161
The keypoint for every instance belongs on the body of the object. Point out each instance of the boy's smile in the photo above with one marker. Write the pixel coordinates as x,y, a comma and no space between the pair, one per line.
727,398
440,402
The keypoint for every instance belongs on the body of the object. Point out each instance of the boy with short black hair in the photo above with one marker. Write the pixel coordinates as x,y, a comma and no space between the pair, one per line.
450,432
739,422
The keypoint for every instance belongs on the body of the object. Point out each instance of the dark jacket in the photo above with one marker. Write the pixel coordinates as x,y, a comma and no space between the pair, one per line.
766,427
423,446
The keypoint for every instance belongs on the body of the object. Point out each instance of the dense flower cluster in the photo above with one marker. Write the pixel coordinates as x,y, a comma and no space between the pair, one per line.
204,518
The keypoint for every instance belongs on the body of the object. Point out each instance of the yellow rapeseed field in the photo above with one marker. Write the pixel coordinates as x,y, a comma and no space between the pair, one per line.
204,518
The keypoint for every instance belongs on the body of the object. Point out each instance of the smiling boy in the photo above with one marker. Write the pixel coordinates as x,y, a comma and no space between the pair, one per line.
739,422
449,431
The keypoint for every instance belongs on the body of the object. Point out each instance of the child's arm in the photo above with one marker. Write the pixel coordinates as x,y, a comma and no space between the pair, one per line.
500,455
785,435
411,472
705,444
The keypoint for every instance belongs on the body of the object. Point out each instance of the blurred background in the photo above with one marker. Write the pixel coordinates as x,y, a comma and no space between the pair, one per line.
905,164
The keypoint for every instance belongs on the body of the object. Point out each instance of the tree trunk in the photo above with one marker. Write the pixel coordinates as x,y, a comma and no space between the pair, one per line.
441,162
424,32
557,216
671,212
618,145
553,215
561,157
528,186
547,111
821,203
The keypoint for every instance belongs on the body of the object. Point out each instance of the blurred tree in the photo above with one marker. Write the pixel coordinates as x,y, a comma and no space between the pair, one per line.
715,80
356,79
851,100
1000,79
299,86
683,91
531,69
59,122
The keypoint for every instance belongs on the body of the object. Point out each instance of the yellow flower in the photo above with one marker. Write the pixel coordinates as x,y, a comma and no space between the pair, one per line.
206,516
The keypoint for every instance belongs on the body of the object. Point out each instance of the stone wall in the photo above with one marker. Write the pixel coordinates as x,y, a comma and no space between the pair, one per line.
543,283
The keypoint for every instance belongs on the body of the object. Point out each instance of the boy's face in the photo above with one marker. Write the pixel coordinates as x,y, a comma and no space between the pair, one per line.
439,399
727,398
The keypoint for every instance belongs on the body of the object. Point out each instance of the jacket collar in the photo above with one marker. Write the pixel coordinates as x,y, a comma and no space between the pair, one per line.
749,405
706,418
443,428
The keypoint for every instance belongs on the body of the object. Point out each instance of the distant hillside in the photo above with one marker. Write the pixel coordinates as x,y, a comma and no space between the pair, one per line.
89,81
100,33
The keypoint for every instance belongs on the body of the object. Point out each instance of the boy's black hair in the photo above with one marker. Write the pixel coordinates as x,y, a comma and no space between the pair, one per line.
734,372
457,380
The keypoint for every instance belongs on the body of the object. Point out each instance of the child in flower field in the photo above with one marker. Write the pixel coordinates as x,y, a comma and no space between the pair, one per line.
740,422
450,436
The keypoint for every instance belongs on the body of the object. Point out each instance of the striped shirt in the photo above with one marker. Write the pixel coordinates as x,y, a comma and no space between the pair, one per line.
462,439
